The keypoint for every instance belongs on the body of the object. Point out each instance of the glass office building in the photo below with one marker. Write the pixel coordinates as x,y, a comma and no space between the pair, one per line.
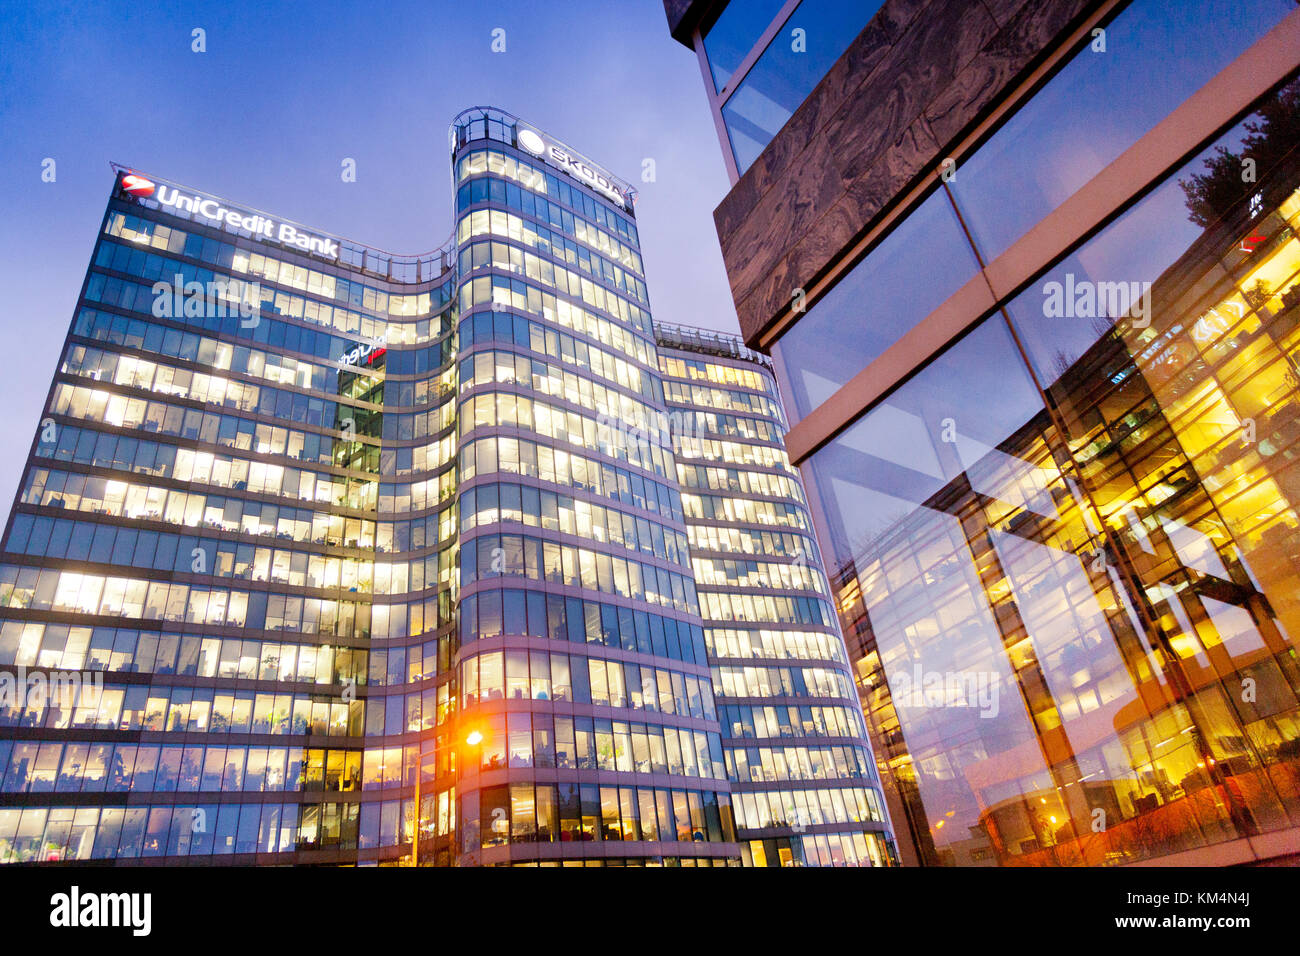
802,775
1043,374
323,535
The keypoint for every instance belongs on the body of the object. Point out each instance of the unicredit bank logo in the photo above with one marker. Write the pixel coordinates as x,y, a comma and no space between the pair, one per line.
137,185
262,227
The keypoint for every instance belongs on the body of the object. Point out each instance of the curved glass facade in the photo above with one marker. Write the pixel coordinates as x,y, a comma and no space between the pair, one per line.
584,682
311,535
235,532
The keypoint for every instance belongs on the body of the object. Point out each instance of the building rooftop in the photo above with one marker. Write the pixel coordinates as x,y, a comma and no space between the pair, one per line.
709,342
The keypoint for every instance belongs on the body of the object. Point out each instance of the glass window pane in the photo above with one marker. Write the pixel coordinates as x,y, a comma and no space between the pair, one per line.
801,53
730,38
913,270
1157,54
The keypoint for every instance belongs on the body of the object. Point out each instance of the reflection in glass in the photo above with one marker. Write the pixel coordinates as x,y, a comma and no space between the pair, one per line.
733,34
871,307
800,54
1118,560
1156,55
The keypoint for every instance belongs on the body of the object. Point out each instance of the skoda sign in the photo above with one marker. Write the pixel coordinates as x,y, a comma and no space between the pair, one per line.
579,169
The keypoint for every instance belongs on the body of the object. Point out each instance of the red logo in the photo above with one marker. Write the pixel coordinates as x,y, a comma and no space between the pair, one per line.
137,185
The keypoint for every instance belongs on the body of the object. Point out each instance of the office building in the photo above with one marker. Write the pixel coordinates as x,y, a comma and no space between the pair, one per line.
800,770
311,535
1028,276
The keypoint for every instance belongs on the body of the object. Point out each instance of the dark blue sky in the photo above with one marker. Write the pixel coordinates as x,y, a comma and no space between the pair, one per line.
286,91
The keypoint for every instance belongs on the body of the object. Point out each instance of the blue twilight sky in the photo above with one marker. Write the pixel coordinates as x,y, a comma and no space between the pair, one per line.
285,92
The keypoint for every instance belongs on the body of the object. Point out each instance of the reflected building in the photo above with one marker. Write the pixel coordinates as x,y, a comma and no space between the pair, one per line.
1093,563
371,559
1041,367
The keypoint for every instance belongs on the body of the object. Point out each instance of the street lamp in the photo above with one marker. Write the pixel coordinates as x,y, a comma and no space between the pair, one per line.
472,739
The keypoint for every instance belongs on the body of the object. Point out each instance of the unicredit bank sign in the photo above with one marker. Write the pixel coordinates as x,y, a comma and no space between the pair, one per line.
263,227
557,155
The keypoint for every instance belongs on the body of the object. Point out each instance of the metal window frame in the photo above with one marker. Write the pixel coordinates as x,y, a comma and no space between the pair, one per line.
719,98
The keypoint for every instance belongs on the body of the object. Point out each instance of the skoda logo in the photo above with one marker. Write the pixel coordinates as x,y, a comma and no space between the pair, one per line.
531,142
